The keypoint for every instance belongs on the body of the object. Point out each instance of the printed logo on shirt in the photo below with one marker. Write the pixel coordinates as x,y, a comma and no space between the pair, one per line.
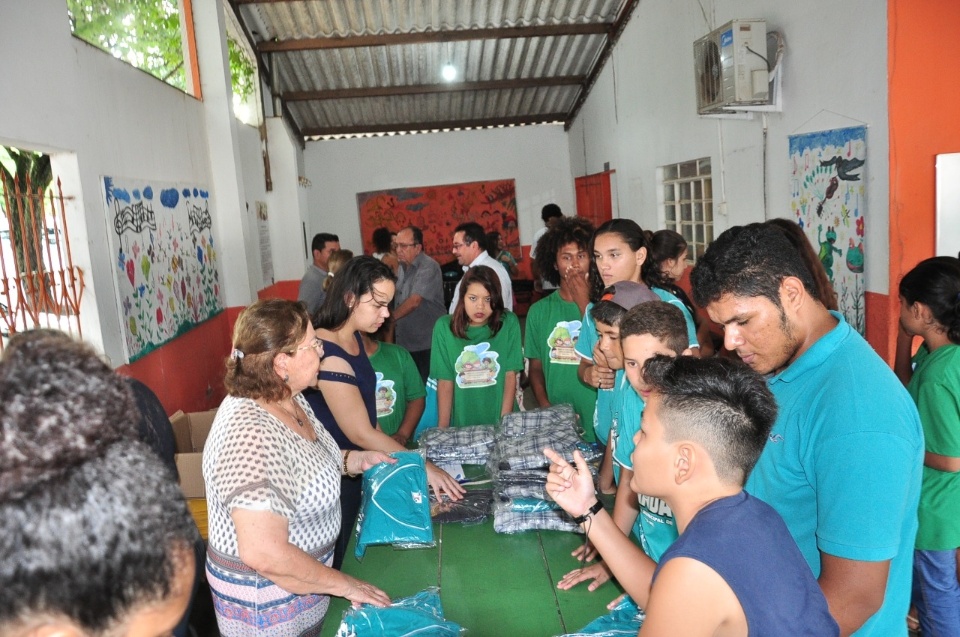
386,396
656,509
562,342
477,366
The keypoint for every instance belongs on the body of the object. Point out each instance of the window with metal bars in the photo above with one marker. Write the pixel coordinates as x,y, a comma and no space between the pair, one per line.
39,284
686,199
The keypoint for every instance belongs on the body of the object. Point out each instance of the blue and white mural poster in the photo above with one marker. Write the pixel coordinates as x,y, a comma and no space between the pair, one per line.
165,259
827,191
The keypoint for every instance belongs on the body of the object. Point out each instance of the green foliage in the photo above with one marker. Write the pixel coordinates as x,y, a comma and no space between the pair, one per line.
144,33
242,74
30,175
147,35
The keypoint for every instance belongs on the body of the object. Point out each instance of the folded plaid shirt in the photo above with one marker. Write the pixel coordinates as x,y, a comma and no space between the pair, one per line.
555,417
466,445
506,520
526,451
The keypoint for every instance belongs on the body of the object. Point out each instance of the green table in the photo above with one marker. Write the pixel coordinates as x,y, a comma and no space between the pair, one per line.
492,584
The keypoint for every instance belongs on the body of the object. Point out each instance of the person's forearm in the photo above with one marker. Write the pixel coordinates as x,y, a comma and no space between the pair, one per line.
407,306
631,567
626,506
297,572
444,402
411,417
902,364
948,464
509,393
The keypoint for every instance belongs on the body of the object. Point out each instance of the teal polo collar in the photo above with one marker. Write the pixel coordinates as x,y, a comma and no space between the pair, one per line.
818,353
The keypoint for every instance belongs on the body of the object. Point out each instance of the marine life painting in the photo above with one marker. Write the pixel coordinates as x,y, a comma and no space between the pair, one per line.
827,190
165,260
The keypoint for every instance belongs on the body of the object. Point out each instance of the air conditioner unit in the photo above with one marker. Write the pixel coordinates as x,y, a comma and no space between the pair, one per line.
731,68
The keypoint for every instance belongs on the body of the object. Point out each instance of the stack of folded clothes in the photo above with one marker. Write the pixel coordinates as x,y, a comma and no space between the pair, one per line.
466,445
519,468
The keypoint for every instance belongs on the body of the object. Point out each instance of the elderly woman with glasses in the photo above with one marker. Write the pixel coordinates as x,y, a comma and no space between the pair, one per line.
272,476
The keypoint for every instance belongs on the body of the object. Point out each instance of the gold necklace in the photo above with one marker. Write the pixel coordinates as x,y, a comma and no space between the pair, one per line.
294,414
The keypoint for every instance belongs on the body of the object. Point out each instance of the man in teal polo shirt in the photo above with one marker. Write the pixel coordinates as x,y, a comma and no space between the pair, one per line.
843,462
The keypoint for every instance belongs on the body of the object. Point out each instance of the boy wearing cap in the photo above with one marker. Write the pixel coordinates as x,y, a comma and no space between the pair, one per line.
735,569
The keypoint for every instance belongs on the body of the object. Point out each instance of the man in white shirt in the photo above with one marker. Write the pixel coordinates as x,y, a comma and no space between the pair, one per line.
470,248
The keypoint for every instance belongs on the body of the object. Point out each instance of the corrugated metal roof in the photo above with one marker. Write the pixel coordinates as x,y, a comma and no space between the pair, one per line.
389,55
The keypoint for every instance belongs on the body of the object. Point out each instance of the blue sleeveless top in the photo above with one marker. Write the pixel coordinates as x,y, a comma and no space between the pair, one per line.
747,544
365,380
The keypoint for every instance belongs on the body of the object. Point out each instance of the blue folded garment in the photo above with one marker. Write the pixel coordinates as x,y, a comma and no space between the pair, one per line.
420,615
396,504
624,620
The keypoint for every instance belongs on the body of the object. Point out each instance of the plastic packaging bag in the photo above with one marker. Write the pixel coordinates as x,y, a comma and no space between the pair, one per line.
625,619
419,614
508,520
466,445
396,505
472,509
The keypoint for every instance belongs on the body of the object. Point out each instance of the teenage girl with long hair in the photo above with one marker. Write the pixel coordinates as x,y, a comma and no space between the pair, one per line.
930,309
346,403
620,252
476,354
668,250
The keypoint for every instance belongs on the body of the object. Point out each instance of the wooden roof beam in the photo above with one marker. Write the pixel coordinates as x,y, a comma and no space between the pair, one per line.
433,37
545,118
388,91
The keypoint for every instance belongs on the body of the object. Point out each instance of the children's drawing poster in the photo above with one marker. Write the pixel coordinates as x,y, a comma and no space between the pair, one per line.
164,258
827,199
437,210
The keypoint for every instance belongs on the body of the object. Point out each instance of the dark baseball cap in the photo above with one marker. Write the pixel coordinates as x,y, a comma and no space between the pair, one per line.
626,294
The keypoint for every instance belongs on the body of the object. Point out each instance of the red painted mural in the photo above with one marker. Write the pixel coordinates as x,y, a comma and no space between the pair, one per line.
437,210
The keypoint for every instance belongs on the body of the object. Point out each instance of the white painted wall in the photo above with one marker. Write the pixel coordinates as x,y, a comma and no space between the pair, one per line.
537,157
642,112
98,116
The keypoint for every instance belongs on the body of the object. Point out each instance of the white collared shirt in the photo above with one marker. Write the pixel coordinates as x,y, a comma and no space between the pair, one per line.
506,288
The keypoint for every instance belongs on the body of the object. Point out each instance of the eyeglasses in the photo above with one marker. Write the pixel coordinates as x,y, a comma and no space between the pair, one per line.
457,246
314,344
405,245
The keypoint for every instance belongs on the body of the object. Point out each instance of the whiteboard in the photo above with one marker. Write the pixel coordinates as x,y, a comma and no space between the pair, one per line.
948,204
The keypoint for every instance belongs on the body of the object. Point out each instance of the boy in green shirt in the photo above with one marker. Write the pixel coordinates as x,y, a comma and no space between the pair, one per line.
554,322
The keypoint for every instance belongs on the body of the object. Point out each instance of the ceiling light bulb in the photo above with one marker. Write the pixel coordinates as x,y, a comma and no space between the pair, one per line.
449,72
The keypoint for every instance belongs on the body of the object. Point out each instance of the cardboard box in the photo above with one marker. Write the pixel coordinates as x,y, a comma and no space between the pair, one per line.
190,432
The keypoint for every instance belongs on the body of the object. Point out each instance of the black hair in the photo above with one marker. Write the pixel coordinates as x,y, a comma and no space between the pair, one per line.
719,403
608,313
795,235
472,233
321,239
663,321
564,231
493,244
353,280
748,261
666,245
382,239
486,277
935,282
417,234
633,235
550,211
93,526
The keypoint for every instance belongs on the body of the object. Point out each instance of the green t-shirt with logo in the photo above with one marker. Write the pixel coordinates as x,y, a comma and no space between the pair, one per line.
935,387
398,382
552,332
477,366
